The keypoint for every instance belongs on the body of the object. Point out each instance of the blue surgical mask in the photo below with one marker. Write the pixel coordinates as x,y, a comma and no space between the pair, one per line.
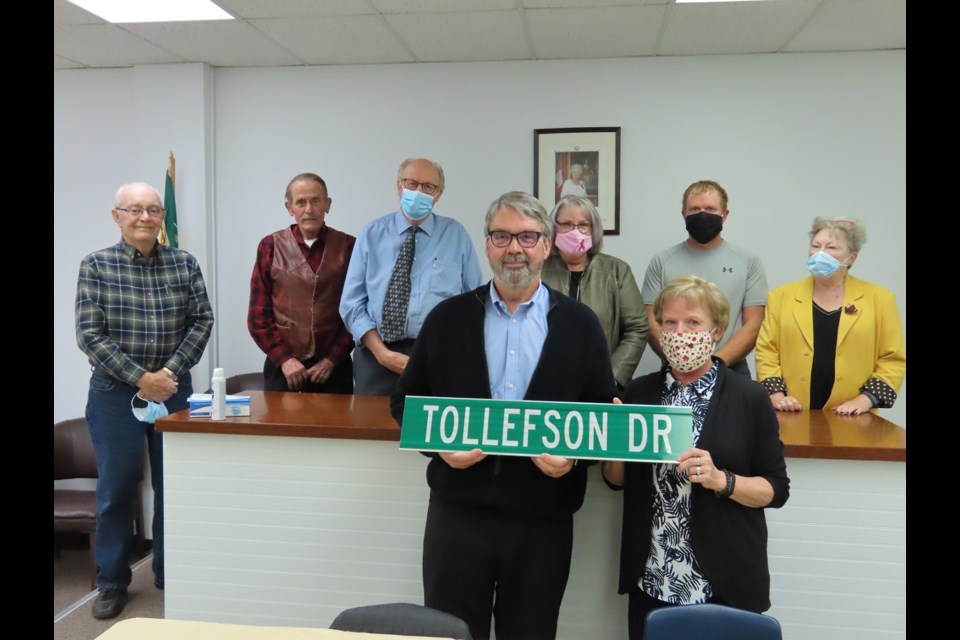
149,413
416,204
823,265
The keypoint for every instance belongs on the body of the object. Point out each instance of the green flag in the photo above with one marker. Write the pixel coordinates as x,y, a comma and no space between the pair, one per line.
169,234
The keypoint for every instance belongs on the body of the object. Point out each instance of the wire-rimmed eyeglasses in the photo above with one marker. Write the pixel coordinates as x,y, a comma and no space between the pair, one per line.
427,187
136,212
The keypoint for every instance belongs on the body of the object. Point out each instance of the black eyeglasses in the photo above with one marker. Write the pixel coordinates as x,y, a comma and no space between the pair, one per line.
136,212
427,187
526,239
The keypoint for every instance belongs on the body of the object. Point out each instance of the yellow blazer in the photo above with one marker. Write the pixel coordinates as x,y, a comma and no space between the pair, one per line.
869,342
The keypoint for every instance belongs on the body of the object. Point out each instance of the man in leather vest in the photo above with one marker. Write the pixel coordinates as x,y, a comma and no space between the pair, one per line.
294,296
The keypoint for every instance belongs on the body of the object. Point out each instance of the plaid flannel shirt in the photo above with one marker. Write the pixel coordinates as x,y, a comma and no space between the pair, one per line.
137,314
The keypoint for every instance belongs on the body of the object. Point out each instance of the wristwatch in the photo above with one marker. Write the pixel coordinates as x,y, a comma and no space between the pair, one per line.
172,375
727,491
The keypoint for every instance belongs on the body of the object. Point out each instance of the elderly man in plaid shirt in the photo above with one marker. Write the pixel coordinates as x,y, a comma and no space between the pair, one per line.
143,319
295,290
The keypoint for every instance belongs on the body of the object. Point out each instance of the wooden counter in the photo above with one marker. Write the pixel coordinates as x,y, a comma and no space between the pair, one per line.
308,507
813,434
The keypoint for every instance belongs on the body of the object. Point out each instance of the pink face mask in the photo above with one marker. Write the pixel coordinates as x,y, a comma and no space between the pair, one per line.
573,242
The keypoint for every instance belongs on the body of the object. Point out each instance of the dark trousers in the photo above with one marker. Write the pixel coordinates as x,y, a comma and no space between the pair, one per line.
641,604
340,380
371,378
119,442
478,563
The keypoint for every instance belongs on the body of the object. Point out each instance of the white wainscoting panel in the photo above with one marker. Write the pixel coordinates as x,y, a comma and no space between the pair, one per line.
290,531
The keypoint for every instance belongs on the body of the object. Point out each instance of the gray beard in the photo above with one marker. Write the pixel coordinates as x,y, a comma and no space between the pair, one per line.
515,278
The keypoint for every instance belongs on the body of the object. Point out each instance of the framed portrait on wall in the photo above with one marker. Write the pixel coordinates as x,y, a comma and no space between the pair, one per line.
583,161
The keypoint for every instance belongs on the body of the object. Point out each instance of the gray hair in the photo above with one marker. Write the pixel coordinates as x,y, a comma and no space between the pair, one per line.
304,177
524,204
403,165
596,226
124,187
852,231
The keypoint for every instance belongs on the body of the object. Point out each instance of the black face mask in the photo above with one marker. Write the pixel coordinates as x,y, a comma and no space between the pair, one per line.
704,226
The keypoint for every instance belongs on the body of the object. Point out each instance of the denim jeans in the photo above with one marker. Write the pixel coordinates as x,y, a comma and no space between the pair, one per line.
118,443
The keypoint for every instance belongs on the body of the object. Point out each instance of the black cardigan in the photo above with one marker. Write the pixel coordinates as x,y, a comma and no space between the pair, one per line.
449,360
742,434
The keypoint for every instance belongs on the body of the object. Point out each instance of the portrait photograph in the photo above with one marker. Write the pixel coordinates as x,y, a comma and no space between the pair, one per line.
583,162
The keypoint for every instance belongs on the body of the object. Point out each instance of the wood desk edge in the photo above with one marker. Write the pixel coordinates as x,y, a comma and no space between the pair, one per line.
384,429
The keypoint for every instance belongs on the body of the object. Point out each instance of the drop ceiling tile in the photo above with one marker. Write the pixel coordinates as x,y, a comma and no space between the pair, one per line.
733,28
588,4
66,13
441,6
107,45
220,43
458,37
595,33
854,25
294,8
337,39
59,62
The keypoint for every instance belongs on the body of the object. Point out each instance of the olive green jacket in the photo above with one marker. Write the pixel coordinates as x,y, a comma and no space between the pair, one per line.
609,288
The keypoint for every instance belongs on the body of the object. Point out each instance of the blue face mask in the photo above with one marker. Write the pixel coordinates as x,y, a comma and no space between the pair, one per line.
416,204
823,265
149,413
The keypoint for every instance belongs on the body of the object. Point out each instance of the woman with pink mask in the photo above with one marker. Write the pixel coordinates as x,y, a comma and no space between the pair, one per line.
604,283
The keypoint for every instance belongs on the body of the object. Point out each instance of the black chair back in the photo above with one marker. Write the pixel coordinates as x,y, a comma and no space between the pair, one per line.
403,619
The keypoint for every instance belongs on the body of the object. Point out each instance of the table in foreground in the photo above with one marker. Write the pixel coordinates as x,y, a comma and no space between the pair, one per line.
154,629
307,507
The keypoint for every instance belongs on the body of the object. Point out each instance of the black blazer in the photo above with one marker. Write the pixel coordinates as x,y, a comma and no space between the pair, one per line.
449,360
742,434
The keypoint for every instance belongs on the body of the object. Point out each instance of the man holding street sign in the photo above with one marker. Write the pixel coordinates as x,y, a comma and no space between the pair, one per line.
499,530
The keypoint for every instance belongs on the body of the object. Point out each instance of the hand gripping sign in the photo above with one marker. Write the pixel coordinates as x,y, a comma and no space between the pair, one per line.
584,430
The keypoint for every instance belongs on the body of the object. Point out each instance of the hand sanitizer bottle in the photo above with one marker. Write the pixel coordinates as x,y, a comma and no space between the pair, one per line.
218,385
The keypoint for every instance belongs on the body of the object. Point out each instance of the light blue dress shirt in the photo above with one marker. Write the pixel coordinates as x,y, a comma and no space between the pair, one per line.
513,342
445,264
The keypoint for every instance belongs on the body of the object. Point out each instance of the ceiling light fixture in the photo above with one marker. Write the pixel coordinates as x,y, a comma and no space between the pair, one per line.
118,11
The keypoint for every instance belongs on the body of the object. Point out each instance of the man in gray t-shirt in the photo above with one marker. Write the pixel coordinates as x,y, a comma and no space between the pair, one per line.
706,254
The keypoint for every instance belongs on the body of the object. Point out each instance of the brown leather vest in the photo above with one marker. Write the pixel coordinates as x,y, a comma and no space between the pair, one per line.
306,304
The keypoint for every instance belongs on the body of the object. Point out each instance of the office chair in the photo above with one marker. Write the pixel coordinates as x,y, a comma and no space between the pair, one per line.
401,618
244,382
75,510
709,622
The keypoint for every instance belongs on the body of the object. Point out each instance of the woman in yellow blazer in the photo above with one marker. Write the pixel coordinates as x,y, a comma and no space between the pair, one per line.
831,341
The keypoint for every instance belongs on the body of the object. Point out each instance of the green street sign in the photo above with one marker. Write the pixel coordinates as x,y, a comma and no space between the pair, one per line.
529,427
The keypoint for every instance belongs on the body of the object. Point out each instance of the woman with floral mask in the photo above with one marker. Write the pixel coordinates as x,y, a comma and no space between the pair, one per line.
603,283
695,532
831,341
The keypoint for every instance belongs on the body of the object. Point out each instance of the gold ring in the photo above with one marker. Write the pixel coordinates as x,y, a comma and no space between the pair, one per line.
698,469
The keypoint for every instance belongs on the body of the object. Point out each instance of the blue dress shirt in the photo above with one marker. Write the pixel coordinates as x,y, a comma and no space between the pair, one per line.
513,342
444,265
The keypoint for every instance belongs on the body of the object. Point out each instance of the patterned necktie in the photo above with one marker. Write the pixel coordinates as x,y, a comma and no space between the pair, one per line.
393,327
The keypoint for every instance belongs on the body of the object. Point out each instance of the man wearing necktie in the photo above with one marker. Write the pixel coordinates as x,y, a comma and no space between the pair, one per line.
403,264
